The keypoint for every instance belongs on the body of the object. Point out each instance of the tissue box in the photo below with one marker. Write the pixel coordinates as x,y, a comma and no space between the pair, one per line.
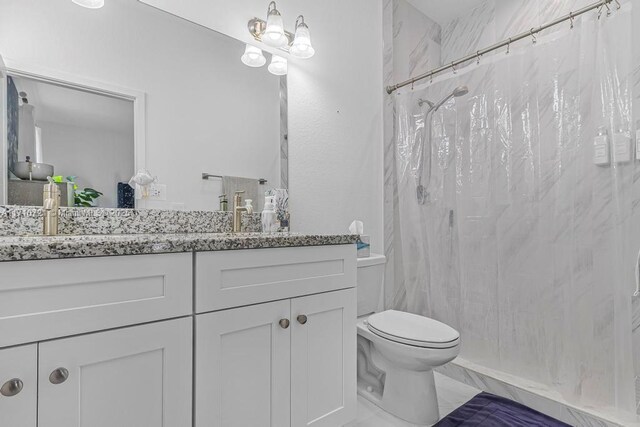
364,246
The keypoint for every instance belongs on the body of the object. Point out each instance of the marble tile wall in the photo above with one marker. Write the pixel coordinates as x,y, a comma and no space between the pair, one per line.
636,197
411,46
284,133
497,20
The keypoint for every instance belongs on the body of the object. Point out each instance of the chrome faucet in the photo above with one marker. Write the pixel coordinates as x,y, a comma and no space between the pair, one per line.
237,211
51,208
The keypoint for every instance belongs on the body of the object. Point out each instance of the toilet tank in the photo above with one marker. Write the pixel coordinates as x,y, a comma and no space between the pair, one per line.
370,284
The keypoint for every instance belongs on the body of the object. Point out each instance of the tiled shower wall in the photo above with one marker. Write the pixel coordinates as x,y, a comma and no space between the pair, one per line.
414,44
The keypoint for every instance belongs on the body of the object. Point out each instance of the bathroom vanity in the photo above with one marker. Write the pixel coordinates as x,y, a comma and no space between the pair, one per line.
177,330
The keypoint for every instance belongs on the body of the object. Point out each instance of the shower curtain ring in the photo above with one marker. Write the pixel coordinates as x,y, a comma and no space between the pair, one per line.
608,9
600,12
478,57
533,36
618,5
509,45
571,19
430,78
453,67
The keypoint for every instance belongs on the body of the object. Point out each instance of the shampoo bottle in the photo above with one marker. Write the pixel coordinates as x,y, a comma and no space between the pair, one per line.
269,216
601,147
622,146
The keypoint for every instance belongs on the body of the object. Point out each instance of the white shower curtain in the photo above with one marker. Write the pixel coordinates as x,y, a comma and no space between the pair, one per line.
524,245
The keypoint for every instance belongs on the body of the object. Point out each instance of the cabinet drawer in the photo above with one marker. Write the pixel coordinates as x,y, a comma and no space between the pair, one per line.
233,278
41,300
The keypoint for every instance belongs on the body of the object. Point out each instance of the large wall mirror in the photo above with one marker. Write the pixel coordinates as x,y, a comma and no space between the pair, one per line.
93,96
83,140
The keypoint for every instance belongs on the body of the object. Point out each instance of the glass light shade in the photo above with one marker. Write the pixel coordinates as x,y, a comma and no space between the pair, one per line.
301,47
278,65
91,4
274,33
253,57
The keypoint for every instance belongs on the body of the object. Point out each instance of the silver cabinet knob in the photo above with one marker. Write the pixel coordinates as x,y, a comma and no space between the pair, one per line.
58,376
284,323
302,319
11,387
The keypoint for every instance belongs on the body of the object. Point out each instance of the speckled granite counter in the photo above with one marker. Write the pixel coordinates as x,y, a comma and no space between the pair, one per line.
14,248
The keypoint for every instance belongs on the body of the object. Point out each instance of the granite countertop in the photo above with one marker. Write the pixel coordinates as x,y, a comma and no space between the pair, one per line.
17,248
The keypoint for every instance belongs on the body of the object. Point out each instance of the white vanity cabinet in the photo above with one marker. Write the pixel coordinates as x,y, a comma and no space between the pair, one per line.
86,363
19,386
323,359
268,340
131,377
243,367
140,376
290,362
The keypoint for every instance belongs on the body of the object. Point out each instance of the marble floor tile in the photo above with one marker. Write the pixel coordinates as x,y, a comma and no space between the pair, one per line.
451,395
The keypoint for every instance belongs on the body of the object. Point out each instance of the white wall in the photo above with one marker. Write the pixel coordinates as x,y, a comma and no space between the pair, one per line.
99,159
335,106
335,98
206,111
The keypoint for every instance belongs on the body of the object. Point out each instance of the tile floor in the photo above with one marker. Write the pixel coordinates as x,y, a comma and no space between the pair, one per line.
451,395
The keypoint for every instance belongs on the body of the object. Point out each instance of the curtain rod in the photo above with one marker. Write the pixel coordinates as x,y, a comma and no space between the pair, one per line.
531,33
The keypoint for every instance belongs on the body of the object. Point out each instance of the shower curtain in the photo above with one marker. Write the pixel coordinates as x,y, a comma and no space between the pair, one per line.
524,244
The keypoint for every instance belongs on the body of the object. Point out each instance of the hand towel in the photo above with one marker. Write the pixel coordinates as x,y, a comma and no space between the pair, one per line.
252,190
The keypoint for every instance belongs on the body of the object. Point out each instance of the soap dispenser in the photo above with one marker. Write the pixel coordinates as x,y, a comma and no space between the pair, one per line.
601,147
269,216
224,203
621,146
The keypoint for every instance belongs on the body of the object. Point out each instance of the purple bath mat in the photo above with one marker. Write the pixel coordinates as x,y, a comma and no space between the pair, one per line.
488,410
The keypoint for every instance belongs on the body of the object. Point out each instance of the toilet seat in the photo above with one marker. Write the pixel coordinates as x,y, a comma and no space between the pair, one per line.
412,329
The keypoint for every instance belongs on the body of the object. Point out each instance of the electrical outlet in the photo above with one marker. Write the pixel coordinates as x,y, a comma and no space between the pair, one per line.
157,192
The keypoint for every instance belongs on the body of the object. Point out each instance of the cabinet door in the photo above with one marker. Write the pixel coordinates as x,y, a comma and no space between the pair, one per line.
323,359
243,367
132,377
19,386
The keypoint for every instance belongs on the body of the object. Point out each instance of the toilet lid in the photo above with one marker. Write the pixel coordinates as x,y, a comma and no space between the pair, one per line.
412,329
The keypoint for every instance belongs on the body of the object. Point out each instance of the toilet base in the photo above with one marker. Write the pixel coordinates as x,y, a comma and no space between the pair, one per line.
411,395
408,395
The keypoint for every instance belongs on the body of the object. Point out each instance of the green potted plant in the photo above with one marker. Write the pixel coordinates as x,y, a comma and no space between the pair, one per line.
84,198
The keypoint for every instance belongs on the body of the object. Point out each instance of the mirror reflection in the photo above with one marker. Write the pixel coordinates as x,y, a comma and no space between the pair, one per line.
83,140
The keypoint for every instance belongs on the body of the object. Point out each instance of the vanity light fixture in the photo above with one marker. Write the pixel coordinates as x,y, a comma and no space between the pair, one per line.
89,4
253,57
274,32
278,65
301,47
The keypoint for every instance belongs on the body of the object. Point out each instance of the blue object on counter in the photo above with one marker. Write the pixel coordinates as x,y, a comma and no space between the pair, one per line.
126,196
488,410
363,246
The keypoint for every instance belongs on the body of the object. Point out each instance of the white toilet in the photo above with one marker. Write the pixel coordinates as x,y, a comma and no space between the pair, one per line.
397,351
